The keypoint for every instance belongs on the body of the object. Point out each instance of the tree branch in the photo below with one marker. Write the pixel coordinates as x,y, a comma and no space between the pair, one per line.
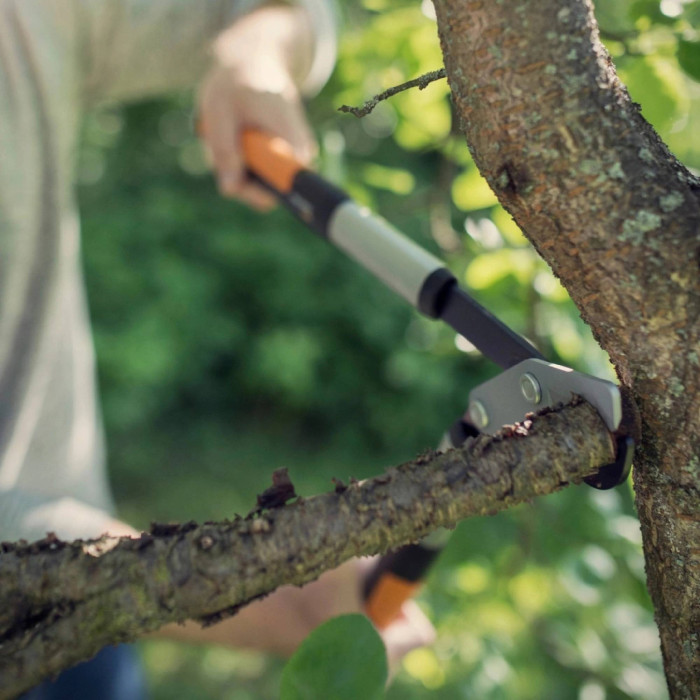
421,82
62,602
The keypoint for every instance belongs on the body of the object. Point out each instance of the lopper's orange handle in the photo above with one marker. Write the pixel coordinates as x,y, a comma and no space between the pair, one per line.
384,603
396,578
271,158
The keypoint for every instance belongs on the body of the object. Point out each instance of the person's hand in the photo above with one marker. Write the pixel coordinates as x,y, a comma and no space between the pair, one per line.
337,592
411,630
258,64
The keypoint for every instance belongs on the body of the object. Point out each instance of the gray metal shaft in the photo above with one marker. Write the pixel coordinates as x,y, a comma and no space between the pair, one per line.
392,257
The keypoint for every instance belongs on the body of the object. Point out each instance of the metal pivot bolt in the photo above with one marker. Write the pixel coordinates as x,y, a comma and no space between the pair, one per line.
478,414
530,388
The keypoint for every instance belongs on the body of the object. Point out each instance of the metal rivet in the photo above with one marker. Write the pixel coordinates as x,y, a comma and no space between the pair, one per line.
478,414
530,388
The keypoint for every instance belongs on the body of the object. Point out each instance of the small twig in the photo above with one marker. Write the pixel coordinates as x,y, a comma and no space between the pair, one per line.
421,82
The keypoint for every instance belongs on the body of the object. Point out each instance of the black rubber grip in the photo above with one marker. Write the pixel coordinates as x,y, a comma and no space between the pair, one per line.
409,563
322,198
312,199
434,291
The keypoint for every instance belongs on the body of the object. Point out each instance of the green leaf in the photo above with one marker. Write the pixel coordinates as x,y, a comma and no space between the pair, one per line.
343,659
507,226
689,58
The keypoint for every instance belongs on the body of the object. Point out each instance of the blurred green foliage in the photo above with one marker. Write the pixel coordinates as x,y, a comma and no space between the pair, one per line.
230,343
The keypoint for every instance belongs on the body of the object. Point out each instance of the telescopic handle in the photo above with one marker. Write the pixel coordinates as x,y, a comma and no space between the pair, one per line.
401,264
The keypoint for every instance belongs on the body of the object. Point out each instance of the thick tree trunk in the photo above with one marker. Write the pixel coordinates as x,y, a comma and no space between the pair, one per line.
617,218
62,602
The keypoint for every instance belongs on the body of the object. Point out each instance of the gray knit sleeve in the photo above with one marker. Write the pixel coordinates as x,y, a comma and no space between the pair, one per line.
136,48
28,516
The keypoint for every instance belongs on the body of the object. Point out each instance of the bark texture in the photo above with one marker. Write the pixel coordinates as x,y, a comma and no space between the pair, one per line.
63,601
617,217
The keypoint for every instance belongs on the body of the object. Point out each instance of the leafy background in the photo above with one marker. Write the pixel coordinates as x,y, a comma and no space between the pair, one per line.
231,343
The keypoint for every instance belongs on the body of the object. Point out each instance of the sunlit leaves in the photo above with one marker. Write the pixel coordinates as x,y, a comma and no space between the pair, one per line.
472,578
557,596
428,119
489,268
656,50
508,228
394,45
566,338
424,665
470,191
395,180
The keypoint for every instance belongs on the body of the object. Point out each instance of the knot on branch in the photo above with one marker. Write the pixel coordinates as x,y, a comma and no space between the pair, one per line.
281,491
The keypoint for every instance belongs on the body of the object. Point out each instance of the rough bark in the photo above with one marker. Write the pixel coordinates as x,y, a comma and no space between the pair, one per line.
617,217
63,601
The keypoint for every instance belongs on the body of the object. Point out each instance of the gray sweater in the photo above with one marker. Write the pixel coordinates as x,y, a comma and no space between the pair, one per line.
58,58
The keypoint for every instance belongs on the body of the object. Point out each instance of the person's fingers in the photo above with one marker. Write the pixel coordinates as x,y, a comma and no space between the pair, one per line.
218,128
282,115
283,118
255,196
226,108
221,134
409,631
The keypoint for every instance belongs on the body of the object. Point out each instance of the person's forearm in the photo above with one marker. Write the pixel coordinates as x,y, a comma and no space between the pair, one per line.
281,621
278,623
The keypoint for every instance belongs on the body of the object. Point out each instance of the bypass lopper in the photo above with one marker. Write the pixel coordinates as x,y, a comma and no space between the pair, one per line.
528,383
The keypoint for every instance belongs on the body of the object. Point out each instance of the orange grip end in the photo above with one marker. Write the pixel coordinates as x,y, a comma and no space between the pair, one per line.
384,603
271,158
